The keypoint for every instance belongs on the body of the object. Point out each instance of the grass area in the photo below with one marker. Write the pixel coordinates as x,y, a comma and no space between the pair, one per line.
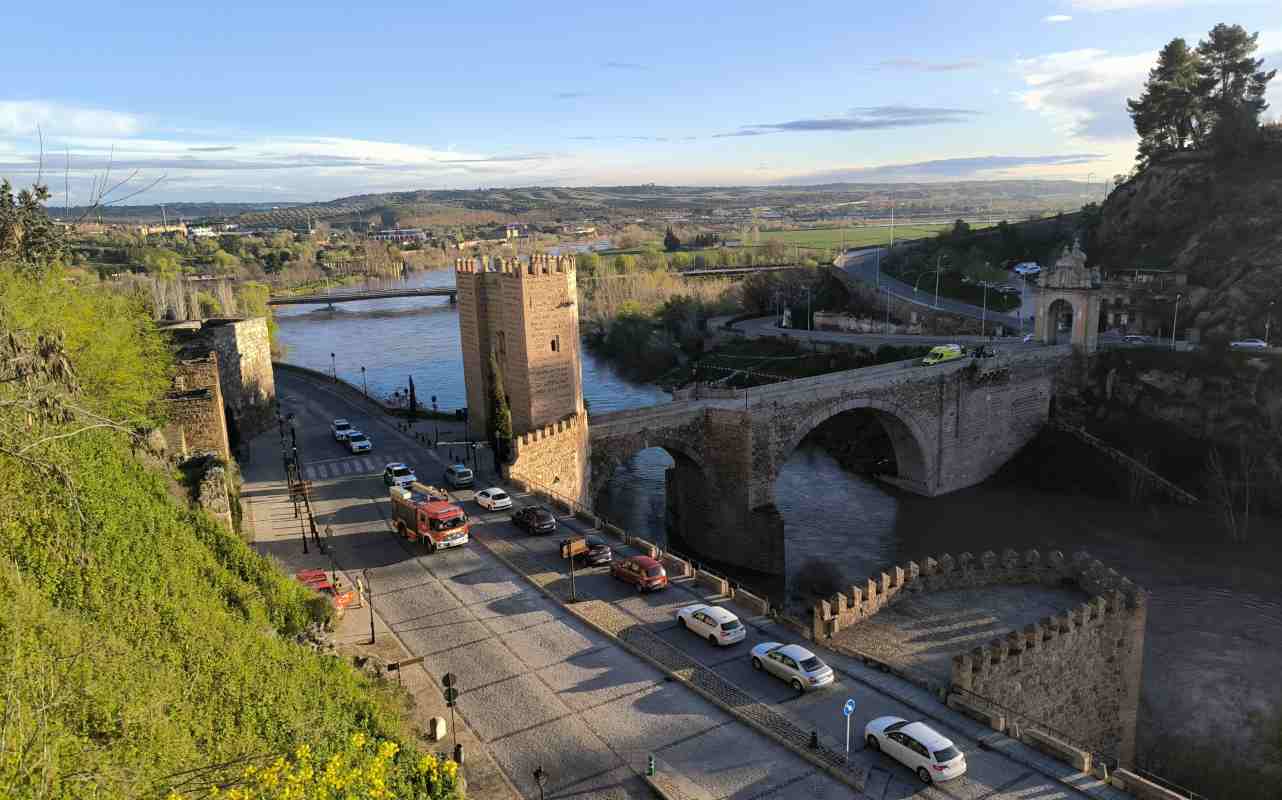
861,236
146,647
755,362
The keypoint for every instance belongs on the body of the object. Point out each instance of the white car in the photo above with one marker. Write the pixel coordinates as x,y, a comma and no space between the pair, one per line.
917,746
340,428
358,442
493,499
1249,344
713,623
398,474
1030,338
1028,268
793,663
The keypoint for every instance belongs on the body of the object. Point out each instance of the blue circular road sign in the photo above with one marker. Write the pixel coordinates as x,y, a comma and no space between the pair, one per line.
848,708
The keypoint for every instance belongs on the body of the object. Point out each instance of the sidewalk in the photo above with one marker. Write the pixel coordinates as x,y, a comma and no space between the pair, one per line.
269,521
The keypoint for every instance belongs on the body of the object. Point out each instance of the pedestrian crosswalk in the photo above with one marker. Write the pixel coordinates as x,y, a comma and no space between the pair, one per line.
350,466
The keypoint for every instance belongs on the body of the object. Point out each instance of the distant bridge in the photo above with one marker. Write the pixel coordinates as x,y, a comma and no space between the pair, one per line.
349,297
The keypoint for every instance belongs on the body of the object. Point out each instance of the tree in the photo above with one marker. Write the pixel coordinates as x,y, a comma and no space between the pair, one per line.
500,411
1169,115
27,235
1231,80
670,241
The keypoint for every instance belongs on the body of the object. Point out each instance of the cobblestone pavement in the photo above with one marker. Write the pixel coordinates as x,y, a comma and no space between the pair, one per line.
540,687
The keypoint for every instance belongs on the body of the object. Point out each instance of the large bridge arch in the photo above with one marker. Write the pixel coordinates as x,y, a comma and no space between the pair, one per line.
914,455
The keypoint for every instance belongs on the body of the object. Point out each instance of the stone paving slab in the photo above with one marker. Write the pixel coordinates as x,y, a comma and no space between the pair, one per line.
617,784
648,721
729,764
596,677
568,752
504,707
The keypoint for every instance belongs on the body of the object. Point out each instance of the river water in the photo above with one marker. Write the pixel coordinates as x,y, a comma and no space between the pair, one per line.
1214,641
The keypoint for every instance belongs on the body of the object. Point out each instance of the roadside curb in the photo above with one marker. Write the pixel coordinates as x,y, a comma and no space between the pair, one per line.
853,778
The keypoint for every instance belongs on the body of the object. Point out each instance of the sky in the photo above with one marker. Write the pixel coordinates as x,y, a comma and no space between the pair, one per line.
236,101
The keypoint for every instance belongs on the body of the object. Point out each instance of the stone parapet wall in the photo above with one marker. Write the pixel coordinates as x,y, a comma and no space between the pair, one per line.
1077,673
196,421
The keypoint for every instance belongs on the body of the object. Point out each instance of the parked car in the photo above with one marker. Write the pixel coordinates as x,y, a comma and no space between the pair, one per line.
942,353
713,623
643,572
535,519
917,746
1135,339
358,442
1249,344
458,476
598,552
398,474
1028,268
793,663
494,499
985,351
340,428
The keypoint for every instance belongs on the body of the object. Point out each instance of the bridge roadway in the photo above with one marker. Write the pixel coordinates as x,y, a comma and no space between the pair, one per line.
541,688
347,297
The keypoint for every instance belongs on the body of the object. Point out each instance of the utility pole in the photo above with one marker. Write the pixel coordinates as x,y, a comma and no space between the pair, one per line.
369,595
1268,322
887,311
1175,320
938,261
983,321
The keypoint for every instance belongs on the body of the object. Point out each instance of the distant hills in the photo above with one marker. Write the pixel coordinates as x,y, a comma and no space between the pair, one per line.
550,203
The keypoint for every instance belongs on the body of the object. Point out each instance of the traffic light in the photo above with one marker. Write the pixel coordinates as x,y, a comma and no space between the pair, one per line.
649,766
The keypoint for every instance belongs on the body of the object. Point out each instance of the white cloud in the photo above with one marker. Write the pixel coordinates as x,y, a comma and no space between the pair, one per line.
1056,18
22,117
1083,92
1123,5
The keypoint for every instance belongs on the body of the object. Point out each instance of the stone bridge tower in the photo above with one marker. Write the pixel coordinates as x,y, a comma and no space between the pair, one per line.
525,313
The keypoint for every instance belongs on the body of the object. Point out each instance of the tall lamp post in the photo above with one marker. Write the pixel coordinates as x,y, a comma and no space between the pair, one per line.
938,262
1268,323
364,382
1175,319
333,367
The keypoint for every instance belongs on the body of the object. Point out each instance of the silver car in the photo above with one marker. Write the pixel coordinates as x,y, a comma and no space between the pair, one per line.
793,663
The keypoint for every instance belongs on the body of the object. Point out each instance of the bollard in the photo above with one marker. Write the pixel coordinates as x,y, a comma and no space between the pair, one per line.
814,740
458,754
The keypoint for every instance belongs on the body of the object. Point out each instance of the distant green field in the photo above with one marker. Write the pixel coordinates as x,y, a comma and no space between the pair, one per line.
861,236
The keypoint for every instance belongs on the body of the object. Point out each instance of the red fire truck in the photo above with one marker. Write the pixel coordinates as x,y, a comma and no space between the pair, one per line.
425,512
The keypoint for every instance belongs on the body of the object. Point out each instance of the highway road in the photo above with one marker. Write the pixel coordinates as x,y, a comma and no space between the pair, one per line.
542,688
861,265
766,326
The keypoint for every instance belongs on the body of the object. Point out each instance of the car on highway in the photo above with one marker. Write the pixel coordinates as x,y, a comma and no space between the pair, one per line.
457,476
714,623
793,663
340,428
942,353
917,746
642,572
598,551
398,474
493,499
535,519
358,442
1028,268
1249,344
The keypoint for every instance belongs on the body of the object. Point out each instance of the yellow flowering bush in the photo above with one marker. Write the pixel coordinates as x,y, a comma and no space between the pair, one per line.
366,769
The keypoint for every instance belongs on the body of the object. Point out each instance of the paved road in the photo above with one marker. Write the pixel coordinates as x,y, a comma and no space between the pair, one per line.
861,265
766,326
539,687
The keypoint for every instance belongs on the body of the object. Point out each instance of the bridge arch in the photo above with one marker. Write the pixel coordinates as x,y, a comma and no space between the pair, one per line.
608,456
914,456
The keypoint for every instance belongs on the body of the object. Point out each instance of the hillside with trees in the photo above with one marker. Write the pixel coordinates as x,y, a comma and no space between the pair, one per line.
1206,197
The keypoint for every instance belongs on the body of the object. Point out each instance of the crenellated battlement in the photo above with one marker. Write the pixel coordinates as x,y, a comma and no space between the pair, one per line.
964,571
537,265
549,430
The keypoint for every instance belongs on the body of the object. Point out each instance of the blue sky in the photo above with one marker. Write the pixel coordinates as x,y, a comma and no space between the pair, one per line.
238,101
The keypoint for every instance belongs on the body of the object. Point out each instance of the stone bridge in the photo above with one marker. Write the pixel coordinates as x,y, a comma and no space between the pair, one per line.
951,426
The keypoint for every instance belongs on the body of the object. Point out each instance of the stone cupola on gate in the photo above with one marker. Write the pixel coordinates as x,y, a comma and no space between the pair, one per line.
1068,302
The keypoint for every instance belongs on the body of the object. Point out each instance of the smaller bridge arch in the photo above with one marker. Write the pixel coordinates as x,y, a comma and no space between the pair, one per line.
914,456
608,458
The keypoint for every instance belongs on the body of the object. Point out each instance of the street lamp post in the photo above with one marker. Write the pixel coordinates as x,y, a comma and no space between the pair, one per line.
938,261
333,367
541,778
436,426
1268,322
1175,320
983,320
364,382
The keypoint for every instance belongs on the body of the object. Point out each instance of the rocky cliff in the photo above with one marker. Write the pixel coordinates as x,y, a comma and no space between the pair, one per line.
1220,221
